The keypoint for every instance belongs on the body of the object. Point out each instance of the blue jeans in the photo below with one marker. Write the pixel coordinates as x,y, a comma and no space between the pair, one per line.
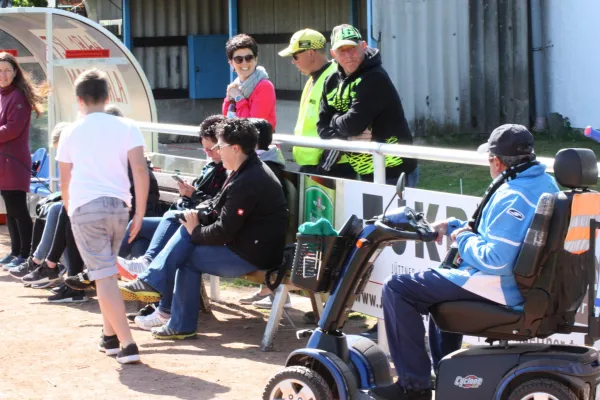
177,272
152,237
412,179
405,299
43,248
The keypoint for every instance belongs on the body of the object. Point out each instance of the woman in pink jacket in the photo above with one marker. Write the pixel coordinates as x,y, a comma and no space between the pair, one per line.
18,96
251,93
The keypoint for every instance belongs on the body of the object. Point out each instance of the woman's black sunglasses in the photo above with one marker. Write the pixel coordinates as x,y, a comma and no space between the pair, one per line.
247,57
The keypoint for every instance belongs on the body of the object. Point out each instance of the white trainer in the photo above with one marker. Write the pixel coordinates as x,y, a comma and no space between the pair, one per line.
135,266
151,321
267,303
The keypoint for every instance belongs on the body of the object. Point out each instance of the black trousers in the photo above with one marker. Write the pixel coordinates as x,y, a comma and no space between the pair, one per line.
64,241
19,222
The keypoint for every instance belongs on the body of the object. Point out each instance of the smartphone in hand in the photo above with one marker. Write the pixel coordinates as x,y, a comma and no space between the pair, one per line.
177,178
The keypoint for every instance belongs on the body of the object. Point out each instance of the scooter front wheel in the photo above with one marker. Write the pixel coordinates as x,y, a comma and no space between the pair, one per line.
297,383
542,389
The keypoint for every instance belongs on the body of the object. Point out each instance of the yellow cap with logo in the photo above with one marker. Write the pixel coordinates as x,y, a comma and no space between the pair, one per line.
306,39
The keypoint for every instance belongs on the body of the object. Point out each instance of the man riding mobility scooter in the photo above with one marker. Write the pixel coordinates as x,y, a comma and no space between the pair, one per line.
555,268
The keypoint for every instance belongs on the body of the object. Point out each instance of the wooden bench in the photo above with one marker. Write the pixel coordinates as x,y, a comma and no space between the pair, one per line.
277,309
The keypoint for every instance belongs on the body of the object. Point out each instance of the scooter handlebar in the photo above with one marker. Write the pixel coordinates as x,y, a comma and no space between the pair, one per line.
592,133
422,235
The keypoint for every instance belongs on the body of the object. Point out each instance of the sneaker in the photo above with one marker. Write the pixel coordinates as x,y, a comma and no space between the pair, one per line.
256,296
42,274
109,345
144,312
55,285
14,263
139,290
67,295
124,275
267,303
153,320
166,333
81,281
395,392
24,268
54,290
129,354
6,260
61,269
130,269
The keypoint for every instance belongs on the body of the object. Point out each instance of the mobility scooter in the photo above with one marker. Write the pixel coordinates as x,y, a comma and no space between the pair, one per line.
553,280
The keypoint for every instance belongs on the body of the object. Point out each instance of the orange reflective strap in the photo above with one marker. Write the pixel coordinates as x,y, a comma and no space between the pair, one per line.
584,208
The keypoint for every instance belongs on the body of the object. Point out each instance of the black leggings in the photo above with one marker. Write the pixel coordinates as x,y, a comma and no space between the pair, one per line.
19,222
38,230
64,241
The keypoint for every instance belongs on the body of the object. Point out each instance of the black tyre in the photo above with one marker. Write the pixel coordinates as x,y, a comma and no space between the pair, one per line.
542,389
297,383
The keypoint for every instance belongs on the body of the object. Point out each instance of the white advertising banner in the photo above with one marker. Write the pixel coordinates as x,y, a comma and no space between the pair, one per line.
366,200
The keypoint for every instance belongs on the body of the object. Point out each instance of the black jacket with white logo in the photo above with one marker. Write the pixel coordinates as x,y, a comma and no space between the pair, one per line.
252,218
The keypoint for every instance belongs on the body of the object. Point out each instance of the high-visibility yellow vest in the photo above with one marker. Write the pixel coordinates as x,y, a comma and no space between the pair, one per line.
308,116
584,208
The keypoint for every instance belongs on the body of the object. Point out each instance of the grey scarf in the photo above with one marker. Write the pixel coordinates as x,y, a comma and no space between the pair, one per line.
247,87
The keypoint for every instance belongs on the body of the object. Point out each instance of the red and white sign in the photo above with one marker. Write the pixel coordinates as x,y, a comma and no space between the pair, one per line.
94,53
73,43
12,52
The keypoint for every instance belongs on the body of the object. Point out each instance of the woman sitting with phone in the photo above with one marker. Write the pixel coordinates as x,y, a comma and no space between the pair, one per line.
208,184
156,232
247,235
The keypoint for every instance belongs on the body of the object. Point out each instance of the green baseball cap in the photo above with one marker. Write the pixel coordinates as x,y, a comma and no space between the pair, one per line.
345,35
306,39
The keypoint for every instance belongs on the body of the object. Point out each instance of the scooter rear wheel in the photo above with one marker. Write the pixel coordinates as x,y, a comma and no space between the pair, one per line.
542,389
297,383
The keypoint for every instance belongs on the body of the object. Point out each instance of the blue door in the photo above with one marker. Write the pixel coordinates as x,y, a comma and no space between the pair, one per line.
208,67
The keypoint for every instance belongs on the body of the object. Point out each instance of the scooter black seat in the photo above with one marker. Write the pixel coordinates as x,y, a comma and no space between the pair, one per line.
472,317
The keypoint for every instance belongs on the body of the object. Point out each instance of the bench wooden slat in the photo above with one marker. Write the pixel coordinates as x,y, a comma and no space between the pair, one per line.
259,277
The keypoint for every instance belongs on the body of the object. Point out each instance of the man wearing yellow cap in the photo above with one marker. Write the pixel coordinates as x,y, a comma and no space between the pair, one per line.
307,49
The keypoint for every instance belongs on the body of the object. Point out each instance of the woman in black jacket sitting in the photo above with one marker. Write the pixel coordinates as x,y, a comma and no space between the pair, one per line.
248,234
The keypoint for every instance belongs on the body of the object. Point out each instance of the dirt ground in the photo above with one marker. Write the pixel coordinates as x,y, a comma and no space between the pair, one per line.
48,351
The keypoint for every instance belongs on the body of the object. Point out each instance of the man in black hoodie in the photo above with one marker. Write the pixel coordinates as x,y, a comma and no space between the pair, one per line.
360,102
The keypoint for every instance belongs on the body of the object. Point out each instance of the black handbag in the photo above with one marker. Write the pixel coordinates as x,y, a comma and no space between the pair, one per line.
42,206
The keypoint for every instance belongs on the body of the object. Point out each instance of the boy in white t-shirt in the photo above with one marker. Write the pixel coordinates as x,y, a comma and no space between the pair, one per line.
93,155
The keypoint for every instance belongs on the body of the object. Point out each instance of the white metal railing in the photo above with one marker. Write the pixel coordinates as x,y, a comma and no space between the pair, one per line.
378,150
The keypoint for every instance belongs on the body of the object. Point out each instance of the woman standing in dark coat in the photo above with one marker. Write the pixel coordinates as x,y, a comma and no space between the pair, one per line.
18,97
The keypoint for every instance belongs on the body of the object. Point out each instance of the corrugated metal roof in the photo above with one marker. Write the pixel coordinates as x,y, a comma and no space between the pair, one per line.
459,65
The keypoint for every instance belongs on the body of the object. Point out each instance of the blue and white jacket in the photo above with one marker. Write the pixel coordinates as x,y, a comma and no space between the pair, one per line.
490,255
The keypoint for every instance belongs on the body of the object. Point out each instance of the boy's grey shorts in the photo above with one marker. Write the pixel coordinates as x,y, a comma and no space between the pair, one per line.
98,229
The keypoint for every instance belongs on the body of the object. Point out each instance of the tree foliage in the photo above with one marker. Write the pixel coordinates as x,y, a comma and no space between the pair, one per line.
29,3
